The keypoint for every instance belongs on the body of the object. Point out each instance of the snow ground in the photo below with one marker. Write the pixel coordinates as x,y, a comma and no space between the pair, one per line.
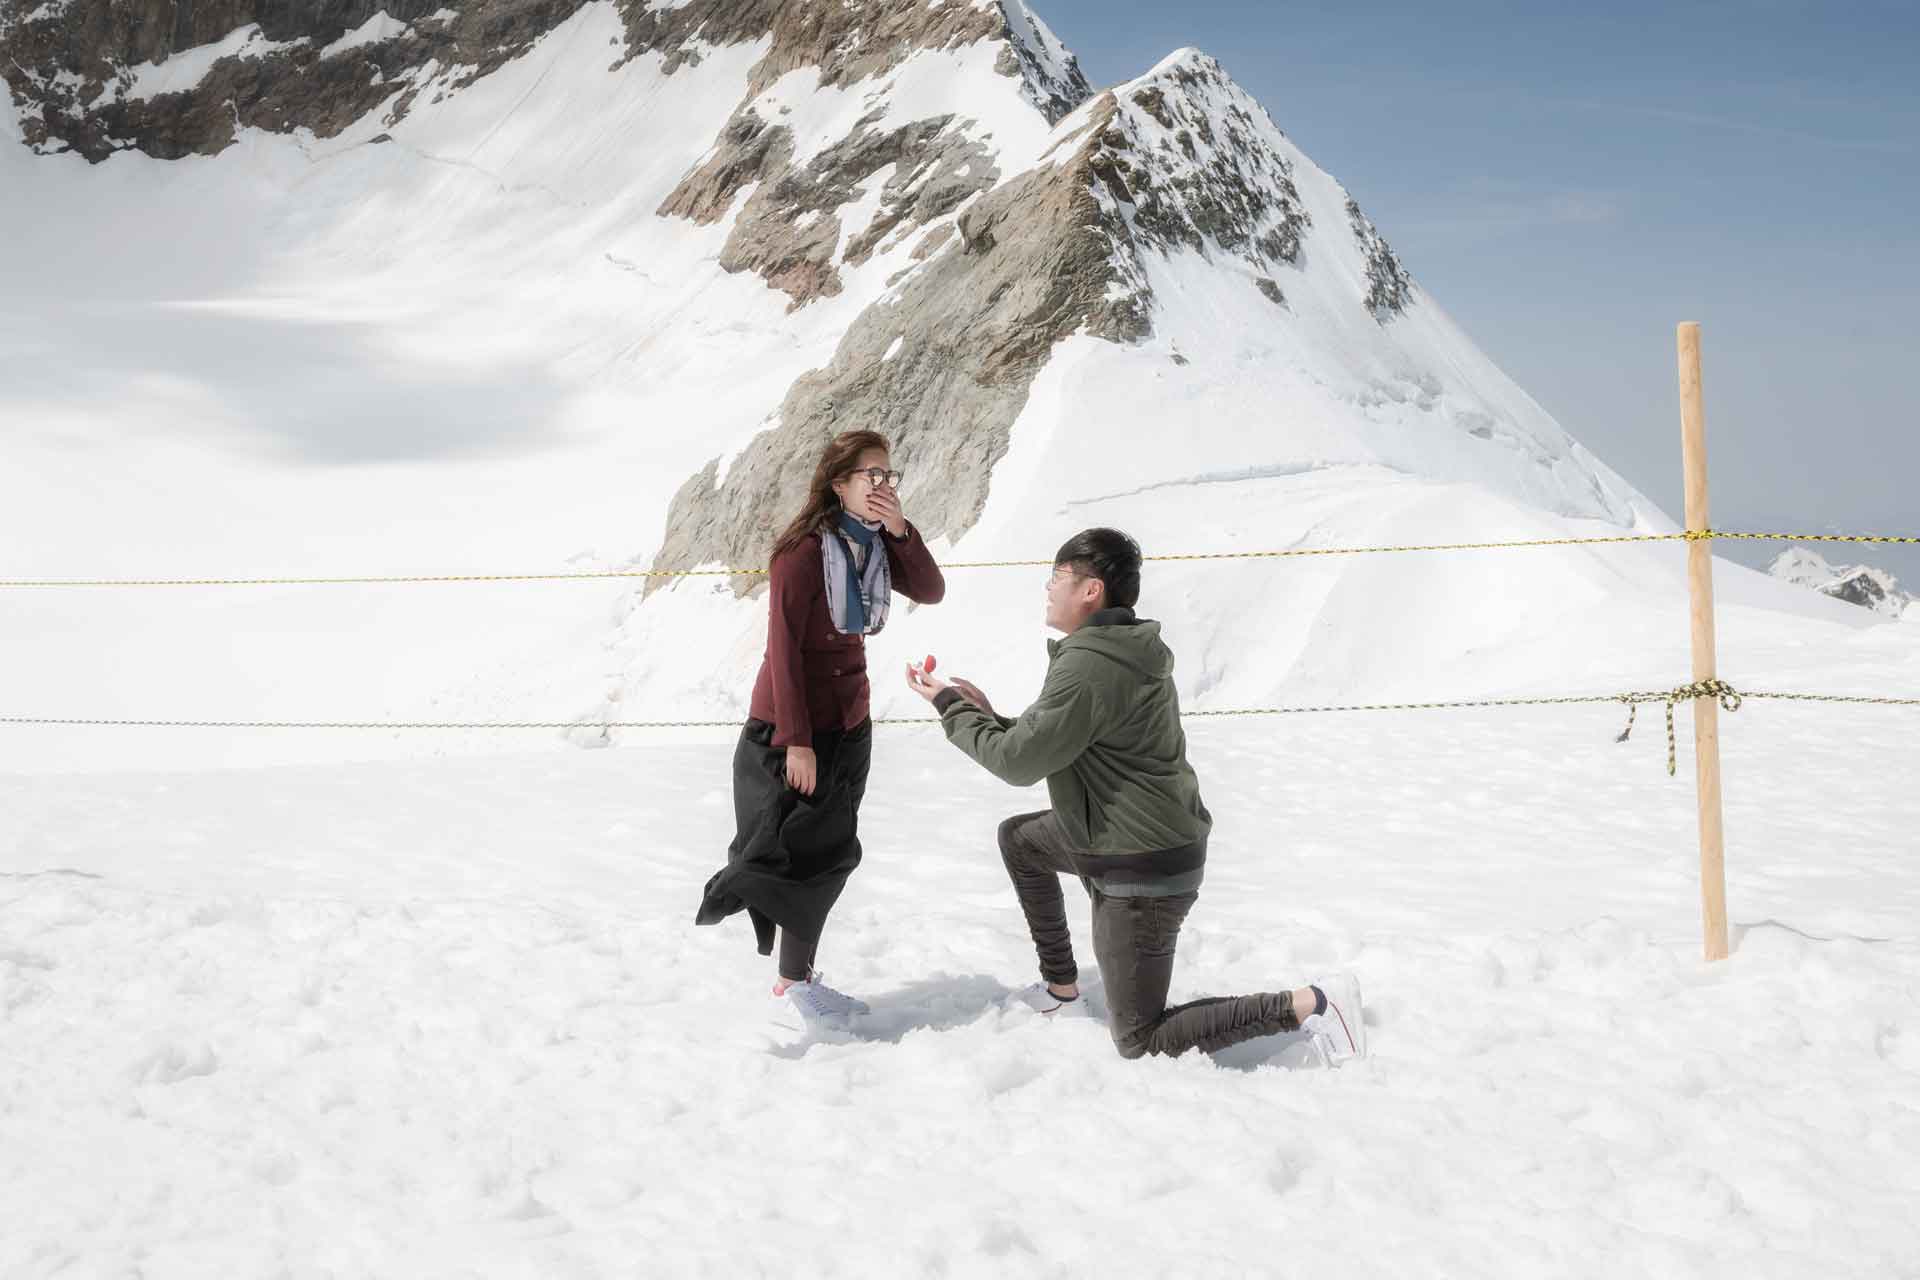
451,1018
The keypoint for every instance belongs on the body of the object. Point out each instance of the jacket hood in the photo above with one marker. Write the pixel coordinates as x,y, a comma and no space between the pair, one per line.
1116,634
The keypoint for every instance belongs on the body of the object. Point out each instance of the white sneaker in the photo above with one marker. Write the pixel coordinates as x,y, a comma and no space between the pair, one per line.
818,1002
1043,1002
1340,1031
1309,1051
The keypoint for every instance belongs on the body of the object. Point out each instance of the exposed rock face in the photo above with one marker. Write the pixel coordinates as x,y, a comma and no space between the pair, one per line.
942,368
1047,69
72,65
789,231
1389,287
846,42
1865,588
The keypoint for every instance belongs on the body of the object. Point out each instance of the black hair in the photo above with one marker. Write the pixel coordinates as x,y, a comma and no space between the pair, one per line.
1109,555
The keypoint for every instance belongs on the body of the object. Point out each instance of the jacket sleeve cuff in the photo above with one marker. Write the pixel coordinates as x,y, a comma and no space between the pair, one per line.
945,699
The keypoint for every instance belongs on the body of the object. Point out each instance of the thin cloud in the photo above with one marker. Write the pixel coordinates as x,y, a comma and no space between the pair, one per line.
1578,207
1494,205
1884,146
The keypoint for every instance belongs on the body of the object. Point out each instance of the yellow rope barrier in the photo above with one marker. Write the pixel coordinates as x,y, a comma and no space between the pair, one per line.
337,582
1730,699
1818,537
1357,551
1836,697
1691,535
735,723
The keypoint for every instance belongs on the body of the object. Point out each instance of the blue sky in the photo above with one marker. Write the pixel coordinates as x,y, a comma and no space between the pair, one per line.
1571,181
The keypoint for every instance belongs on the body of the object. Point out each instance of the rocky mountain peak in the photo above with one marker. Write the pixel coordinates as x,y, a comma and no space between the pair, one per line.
1186,159
1862,585
1178,162
1189,160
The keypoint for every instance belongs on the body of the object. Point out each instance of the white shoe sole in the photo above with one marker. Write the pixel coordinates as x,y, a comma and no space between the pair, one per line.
840,1017
1048,1005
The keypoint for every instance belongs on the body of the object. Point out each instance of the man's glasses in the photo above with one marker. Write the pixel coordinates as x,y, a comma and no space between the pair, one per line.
877,478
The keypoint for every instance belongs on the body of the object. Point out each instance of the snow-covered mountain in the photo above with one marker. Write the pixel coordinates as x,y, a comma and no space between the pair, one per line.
1860,584
507,287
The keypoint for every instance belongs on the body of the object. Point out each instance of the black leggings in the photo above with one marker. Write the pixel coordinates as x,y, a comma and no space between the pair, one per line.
796,956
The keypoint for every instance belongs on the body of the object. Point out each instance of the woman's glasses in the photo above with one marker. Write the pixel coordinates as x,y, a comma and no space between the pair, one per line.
877,478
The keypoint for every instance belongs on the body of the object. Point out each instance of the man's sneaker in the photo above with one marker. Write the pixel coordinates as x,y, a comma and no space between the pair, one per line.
818,1002
1042,1001
1341,1032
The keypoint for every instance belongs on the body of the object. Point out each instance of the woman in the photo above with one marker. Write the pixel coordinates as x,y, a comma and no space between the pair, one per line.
800,768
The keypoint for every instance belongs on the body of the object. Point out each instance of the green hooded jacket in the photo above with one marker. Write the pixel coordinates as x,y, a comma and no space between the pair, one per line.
1105,734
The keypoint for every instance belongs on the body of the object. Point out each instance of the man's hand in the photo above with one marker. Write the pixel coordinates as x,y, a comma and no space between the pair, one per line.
924,683
803,769
885,503
973,695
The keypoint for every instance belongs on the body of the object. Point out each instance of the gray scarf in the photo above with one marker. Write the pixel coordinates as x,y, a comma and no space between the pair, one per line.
859,579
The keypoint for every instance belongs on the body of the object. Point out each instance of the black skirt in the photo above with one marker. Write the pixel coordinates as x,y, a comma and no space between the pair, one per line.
791,854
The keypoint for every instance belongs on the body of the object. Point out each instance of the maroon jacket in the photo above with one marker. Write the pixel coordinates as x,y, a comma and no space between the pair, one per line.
813,678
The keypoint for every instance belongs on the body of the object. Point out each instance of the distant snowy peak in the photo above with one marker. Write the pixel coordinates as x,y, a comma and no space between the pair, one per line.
1863,585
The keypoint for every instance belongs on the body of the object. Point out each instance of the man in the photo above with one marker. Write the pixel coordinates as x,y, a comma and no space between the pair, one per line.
1127,818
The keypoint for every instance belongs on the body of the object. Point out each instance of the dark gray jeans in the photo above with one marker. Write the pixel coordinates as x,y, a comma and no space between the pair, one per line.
1133,943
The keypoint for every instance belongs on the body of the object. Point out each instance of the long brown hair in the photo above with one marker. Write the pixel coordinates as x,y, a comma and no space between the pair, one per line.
842,455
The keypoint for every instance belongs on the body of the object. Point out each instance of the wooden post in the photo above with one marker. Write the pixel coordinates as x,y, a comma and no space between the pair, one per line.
1706,711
